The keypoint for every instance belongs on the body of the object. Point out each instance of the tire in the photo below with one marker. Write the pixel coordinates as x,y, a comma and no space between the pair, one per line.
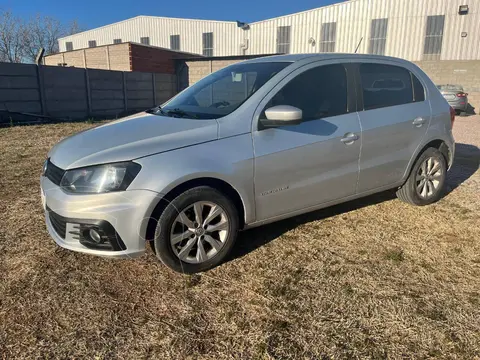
413,192
182,245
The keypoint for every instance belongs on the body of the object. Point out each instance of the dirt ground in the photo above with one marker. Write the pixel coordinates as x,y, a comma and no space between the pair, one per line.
374,278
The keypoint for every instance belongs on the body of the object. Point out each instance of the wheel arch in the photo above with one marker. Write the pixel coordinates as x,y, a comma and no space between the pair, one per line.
438,144
221,185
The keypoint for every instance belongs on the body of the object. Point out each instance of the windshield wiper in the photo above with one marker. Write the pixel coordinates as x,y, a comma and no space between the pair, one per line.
154,110
180,113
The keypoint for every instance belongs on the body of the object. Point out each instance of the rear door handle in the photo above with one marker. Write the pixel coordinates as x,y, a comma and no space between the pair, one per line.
349,138
419,121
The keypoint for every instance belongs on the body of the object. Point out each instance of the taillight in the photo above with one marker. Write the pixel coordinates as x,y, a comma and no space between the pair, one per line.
452,115
461,94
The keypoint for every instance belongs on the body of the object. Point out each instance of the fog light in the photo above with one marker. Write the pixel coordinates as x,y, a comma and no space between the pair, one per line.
95,236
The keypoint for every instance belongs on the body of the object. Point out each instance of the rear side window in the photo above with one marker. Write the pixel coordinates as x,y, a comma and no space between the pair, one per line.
385,85
319,92
418,90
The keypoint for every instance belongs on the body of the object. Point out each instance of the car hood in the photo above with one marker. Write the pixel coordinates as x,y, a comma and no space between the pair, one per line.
131,138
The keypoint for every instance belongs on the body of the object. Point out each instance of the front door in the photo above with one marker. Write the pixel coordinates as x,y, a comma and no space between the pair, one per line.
300,166
394,120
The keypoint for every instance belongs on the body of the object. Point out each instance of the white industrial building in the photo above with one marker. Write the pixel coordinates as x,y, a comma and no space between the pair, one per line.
412,29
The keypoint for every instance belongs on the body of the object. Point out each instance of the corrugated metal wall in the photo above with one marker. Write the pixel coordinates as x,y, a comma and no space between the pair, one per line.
407,20
226,39
405,34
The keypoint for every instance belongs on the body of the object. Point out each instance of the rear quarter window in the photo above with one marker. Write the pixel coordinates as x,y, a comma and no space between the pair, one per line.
385,85
418,90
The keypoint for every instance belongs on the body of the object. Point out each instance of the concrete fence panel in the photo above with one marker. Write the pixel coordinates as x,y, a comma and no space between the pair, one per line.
165,87
106,92
78,93
65,92
140,90
18,69
19,88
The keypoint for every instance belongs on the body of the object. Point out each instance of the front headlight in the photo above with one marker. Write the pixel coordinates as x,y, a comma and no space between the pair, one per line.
44,167
100,178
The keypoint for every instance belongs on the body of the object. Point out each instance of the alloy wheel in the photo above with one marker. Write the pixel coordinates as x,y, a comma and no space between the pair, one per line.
428,177
199,232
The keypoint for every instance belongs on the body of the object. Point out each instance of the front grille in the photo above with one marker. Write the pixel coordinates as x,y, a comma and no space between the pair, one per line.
59,223
54,173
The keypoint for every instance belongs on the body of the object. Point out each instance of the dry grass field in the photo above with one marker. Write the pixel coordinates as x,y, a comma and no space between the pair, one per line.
374,278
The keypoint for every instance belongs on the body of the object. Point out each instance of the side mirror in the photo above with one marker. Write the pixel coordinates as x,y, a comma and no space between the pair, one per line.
282,115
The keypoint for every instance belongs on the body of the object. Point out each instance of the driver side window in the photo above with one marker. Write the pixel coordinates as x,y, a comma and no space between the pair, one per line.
319,92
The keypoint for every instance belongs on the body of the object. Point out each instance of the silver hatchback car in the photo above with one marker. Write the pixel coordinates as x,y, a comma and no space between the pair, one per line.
256,142
455,96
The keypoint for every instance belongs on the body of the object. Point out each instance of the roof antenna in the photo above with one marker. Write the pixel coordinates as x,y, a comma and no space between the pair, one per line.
358,45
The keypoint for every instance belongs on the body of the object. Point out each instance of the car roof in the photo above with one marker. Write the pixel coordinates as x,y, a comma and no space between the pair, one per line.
321,56
449,86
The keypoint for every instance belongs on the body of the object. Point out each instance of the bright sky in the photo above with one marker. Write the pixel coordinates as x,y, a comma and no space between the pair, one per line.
94,13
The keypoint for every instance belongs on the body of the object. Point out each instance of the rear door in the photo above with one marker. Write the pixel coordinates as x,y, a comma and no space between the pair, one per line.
394,119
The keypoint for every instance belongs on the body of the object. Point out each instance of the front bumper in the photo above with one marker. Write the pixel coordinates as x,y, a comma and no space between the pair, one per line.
127,212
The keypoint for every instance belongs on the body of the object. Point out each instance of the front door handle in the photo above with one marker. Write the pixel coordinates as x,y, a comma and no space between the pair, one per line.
349,138
419,121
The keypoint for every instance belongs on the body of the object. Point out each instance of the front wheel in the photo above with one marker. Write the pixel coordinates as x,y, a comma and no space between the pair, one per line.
196,231
426,182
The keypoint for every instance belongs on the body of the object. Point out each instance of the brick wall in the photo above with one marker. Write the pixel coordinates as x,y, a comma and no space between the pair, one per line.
54,59
109,57
122,57
198,69
97,58
460,72
75,59
151,59
128,57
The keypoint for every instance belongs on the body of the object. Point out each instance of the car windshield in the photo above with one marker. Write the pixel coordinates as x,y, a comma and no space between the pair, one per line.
450,87
222,92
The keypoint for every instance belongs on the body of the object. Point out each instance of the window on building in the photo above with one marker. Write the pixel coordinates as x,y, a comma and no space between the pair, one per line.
117,41
418,90
378,36
283,39
175,42
327,37
385,85
434,35
92,43
207,41
313,93
145,40
69,46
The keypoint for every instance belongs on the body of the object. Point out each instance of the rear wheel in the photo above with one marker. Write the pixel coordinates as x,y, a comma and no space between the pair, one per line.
427,179
196,231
